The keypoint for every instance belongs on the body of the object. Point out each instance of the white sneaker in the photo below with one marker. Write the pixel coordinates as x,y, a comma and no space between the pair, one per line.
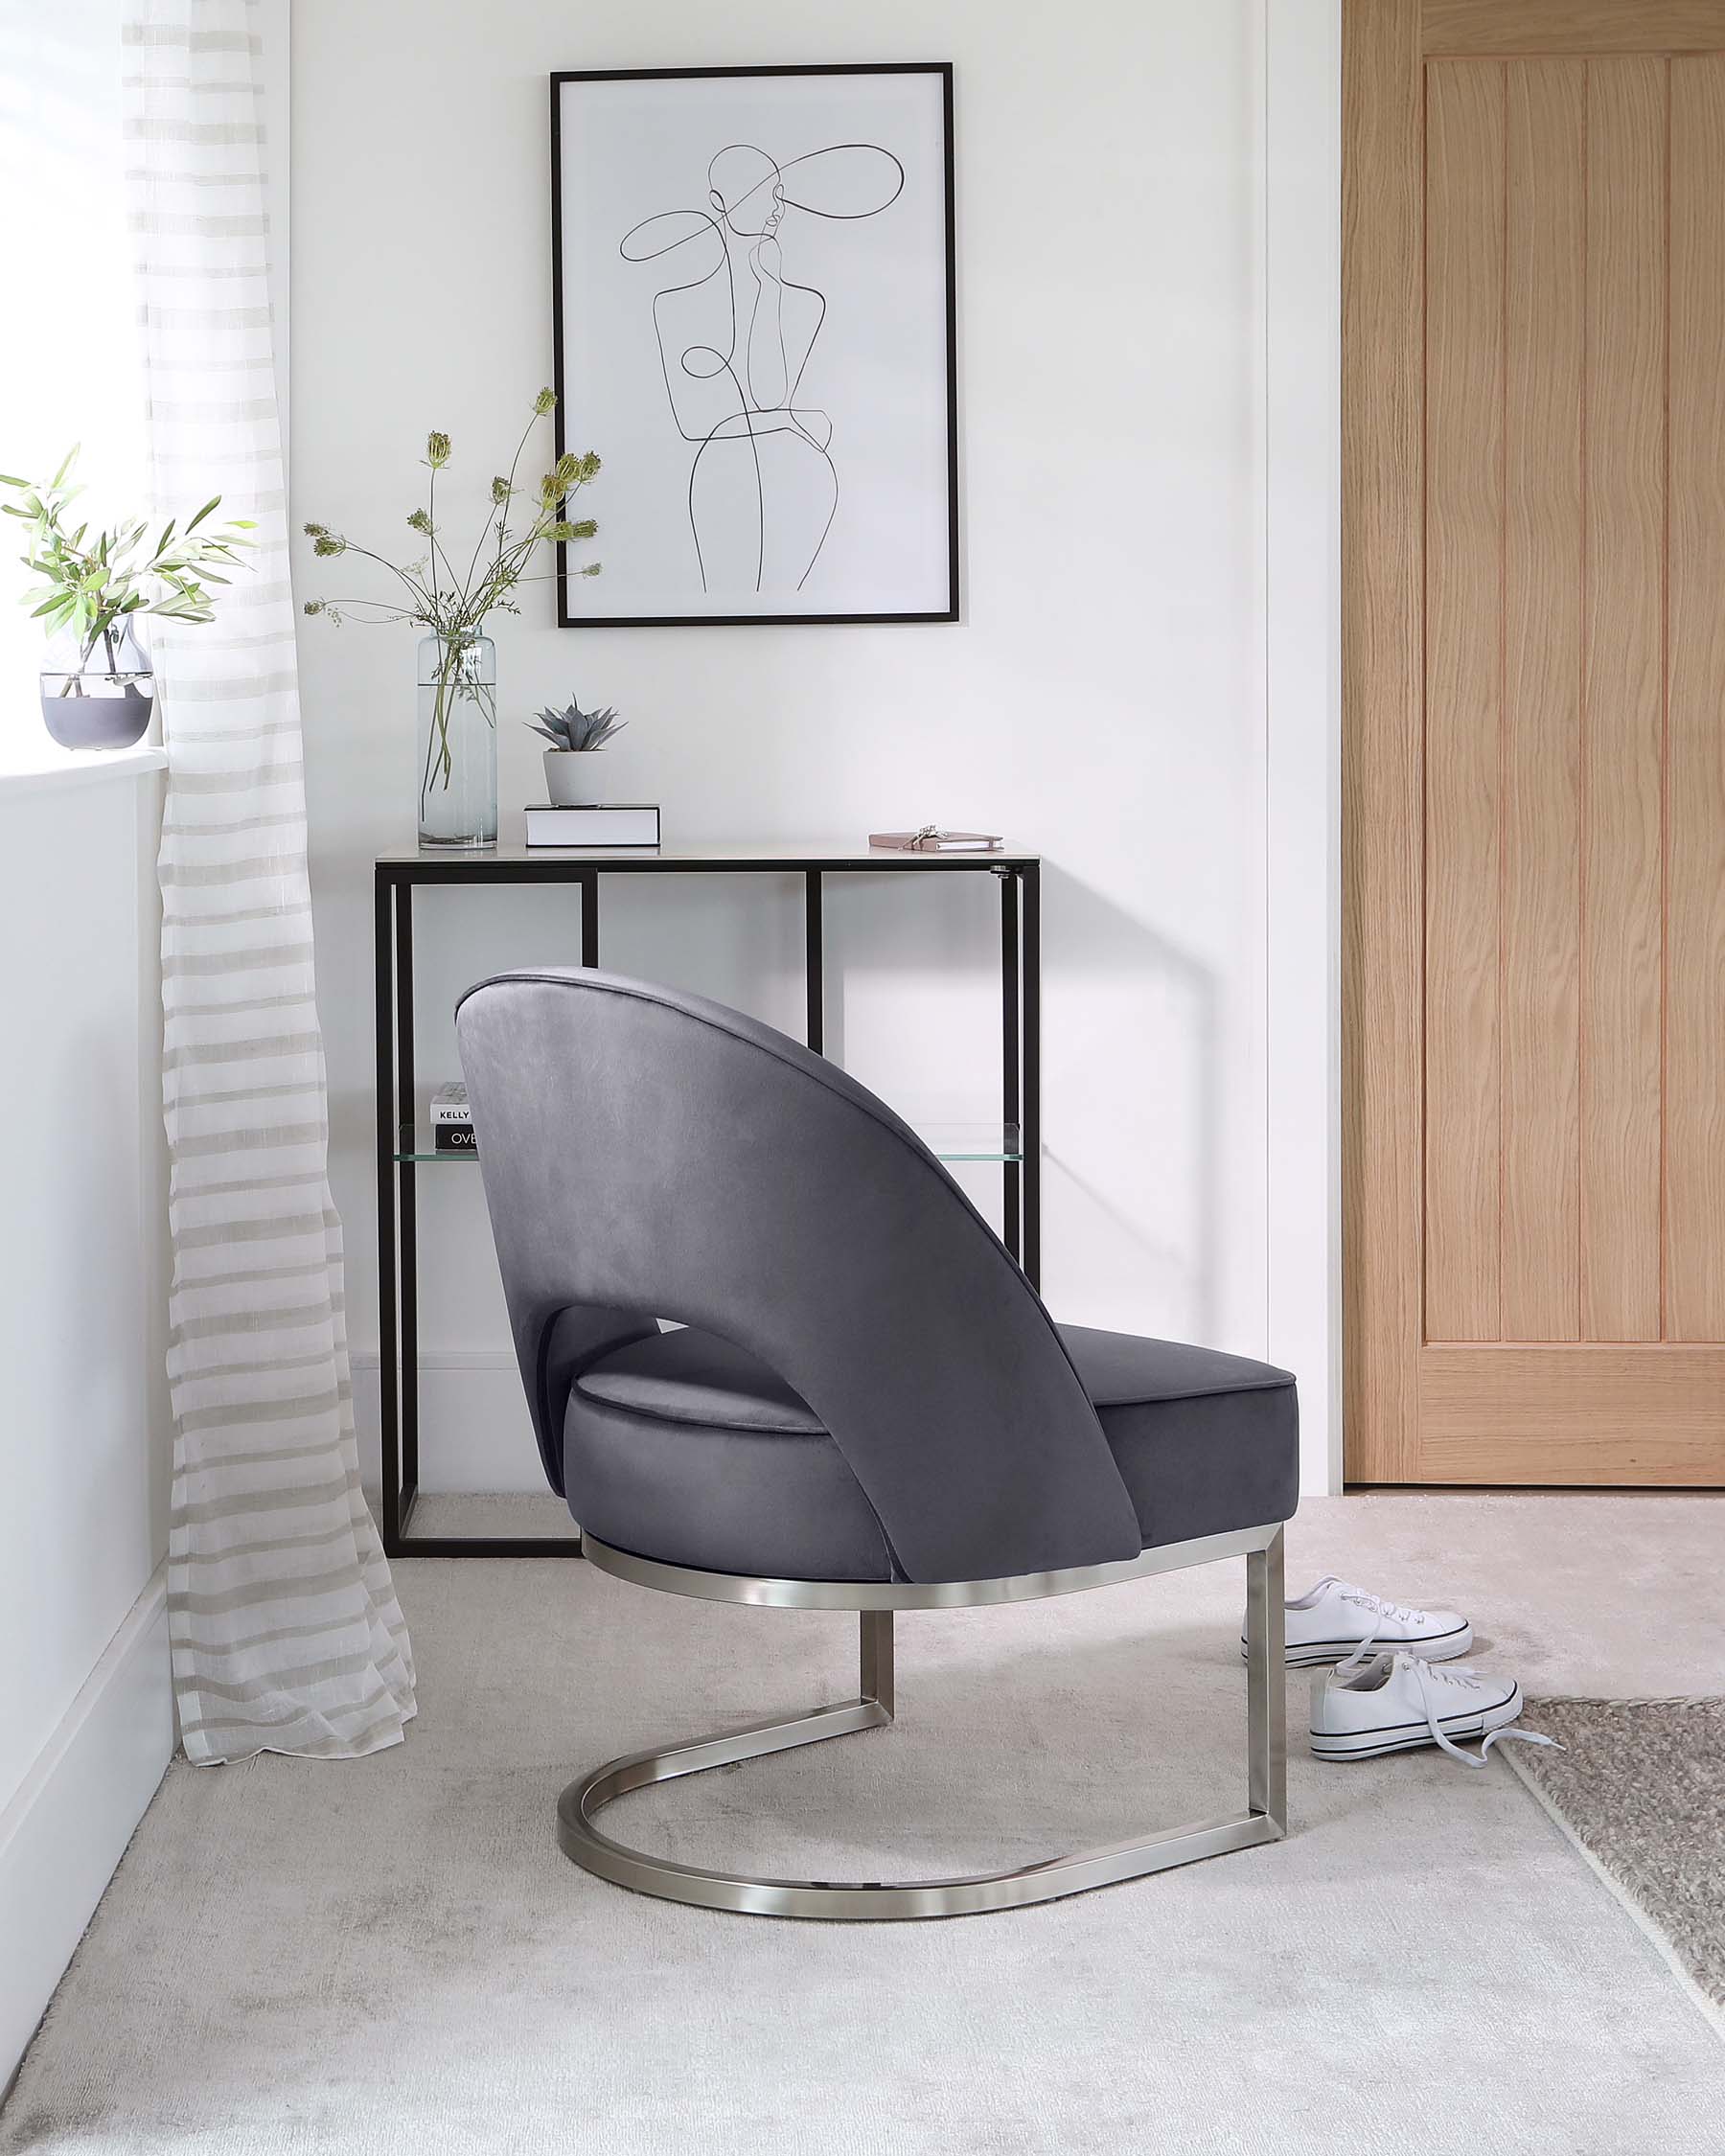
1396,1702
1336,1619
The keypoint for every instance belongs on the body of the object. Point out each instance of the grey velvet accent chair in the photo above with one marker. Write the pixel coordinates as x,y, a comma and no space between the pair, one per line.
868,1409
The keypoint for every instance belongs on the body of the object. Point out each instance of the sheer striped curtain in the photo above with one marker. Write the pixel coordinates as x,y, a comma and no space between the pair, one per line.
286,1631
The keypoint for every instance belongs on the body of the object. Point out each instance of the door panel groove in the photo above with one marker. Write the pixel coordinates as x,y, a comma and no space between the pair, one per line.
1695,844
1623,703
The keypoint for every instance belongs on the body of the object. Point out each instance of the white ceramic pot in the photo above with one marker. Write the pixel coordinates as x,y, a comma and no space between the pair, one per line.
572,777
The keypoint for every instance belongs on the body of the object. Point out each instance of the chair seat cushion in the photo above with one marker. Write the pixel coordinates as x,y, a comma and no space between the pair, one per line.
694,1377
1206,1443
684,1448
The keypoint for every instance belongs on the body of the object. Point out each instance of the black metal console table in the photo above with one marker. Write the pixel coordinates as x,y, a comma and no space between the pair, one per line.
403,1150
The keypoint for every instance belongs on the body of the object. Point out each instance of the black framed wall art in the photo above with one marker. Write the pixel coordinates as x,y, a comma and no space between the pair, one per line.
753,307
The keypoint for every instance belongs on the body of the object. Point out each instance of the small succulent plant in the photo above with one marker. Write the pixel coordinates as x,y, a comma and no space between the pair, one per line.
575,728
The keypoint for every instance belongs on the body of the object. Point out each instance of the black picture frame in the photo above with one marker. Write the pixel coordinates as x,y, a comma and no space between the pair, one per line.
943,70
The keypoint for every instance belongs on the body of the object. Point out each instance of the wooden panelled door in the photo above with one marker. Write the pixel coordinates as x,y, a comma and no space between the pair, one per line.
1534,766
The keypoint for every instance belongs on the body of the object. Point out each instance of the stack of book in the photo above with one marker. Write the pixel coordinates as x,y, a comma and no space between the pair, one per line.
605,824
452,1126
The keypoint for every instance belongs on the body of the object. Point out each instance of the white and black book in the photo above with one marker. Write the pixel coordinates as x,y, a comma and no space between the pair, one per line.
452,1125
604,824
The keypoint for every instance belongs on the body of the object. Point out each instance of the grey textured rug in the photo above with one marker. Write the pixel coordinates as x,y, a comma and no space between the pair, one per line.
389,1956
1640,1785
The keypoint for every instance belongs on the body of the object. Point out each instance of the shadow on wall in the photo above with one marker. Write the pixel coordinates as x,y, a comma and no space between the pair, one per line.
1132,1059
1133,1097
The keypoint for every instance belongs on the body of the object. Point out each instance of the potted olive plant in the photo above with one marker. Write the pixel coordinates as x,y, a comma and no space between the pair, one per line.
98,688
456,759
578,739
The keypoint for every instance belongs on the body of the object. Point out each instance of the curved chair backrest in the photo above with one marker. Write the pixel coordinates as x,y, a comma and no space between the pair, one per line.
646,1153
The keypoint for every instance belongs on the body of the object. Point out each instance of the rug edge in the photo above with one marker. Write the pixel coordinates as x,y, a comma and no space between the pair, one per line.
1710,2009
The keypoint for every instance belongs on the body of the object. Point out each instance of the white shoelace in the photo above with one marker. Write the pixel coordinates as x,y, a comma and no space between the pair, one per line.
1374,1605
1428,1674
1366,1649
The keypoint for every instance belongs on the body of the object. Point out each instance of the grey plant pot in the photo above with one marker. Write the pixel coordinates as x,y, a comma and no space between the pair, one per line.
572,778
114,721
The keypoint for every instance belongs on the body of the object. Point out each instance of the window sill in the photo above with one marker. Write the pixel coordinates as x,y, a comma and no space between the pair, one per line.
58,768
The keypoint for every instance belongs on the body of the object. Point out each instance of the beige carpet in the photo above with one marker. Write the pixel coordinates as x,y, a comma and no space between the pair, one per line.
390,1956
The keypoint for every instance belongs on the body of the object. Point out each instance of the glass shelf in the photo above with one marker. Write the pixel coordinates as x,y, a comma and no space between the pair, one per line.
970,1141
999,1142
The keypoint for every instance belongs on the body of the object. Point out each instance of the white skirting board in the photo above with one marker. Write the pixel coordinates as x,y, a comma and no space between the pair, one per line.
66,1829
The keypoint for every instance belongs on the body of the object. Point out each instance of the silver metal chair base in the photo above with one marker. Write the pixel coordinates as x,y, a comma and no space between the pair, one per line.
1264,1818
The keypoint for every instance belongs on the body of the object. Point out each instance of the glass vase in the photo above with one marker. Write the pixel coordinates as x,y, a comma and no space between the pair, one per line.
457,741
101,696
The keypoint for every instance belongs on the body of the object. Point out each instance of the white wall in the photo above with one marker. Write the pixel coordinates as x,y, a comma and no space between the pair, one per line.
1302,628
1104,700
85,1720
84,1522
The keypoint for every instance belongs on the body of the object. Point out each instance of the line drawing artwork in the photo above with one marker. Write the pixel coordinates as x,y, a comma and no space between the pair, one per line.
735,332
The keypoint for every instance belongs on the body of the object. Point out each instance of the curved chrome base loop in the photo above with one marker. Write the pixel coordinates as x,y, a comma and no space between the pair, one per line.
1263,1820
